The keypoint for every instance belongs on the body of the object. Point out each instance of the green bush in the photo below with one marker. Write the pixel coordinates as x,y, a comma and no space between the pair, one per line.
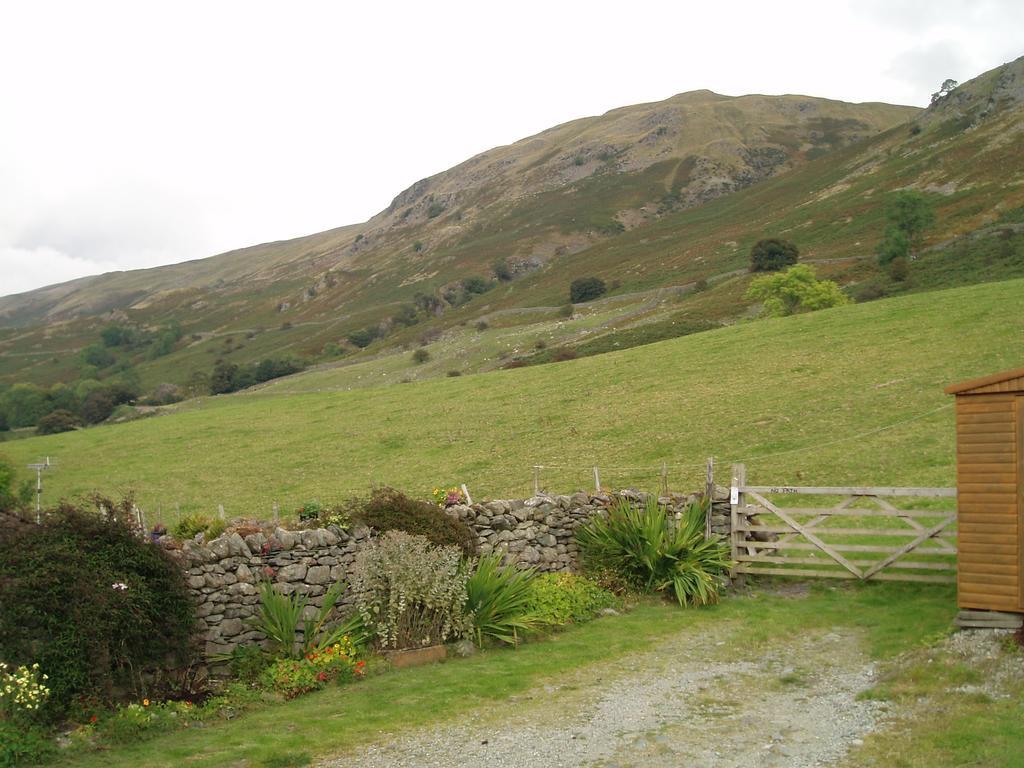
498,600
24,745
389,510
58,421
364,337
14,496
476,285
420,356
190,525
91,601
794,291
310,510
586,289
563,598
771,254
656,554
410,593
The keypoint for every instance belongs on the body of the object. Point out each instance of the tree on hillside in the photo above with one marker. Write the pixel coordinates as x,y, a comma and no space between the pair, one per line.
772,254
908,214
947,87
794,291
586,289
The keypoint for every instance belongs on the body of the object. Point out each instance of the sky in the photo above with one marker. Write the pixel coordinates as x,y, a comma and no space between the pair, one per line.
134,134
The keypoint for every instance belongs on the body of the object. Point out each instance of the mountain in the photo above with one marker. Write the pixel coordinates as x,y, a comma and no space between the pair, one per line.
669,194
695,146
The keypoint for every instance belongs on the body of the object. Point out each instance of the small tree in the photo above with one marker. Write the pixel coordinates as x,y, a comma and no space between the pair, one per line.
58,421
586,289
420,356
772,254
947,87
908,214
502,270
794,291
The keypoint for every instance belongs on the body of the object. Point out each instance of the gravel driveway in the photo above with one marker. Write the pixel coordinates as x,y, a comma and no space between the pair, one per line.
689,702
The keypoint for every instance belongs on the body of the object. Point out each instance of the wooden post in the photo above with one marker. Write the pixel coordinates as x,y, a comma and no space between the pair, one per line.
277,513
597,482
536,480
709,497
736,500
664,478
465,492
220,511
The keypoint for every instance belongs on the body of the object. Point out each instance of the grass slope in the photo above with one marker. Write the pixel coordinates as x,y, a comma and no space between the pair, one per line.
800,399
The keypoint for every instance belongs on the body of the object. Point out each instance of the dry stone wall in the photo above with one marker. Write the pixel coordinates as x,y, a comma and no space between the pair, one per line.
224,574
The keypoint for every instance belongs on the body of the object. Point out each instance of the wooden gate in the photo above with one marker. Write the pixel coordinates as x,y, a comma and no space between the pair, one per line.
845,533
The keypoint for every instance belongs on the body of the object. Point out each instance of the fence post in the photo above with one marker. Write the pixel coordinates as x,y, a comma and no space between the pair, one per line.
597,482
709,497
220,511
664,478
277,512
736,500
465,492
536,480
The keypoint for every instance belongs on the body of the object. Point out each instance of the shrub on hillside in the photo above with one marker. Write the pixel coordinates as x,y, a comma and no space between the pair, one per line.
389,510
409,592
656,554
58,421
363,337
772,254
476,284
795,290
91,601
420,356
586,289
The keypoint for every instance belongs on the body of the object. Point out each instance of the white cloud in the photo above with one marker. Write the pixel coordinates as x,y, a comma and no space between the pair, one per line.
26,268
136,133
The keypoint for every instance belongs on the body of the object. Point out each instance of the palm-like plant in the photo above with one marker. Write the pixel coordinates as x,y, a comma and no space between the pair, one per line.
656,553
280,617
497,597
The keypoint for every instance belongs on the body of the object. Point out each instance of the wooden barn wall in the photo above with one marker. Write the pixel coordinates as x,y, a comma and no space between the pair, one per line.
988,461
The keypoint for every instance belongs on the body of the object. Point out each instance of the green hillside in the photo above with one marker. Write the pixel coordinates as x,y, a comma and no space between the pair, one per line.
848,395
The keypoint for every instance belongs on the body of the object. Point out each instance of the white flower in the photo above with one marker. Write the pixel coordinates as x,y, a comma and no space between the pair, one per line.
119,585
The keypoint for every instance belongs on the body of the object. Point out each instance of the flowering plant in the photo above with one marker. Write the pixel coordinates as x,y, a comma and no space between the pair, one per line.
293,677
22,691
447,497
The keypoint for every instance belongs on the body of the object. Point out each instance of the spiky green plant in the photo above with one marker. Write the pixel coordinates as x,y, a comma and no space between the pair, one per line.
655,552
280,617
498,599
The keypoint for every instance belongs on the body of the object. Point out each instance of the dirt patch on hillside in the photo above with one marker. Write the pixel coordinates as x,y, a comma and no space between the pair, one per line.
693,701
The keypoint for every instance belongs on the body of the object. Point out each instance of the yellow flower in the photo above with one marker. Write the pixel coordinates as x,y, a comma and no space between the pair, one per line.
145,702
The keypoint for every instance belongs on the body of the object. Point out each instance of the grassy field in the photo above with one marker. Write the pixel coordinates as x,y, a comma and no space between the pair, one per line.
895,619
850,395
